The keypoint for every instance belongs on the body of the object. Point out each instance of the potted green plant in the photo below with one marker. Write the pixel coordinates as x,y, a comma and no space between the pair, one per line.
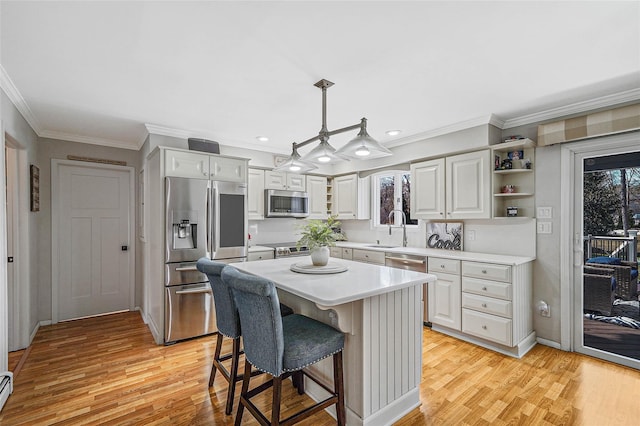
318,236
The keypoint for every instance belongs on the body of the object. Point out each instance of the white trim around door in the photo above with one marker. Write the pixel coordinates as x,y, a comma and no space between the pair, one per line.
572,156
55,237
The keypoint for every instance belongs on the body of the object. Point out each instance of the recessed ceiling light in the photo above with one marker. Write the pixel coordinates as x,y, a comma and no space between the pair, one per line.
262,138
393,132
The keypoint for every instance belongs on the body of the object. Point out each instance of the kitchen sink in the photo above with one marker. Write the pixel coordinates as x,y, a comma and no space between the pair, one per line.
381,246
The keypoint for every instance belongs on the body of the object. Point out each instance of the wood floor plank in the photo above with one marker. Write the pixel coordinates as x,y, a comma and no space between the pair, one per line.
108,371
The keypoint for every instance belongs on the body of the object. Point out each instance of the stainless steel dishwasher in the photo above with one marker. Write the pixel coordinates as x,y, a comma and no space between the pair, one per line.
411,262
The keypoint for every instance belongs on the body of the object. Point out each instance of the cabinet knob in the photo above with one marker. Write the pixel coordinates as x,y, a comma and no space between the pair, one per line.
441,213
442,266
484,327
484,305
484,271
484,288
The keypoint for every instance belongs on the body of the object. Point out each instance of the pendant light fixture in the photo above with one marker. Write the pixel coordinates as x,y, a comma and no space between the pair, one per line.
361,147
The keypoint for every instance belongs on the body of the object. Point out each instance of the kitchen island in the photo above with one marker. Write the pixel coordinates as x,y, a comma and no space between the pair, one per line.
380,311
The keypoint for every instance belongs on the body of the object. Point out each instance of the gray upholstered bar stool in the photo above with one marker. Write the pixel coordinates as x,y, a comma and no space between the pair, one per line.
228,324
281,346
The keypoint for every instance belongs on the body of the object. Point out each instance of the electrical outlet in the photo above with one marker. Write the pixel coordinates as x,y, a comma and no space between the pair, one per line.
471,234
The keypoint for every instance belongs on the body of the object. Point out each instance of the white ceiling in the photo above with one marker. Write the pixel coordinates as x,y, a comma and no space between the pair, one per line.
98,72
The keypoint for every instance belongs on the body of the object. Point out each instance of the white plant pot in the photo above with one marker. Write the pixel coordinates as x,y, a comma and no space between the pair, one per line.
320,256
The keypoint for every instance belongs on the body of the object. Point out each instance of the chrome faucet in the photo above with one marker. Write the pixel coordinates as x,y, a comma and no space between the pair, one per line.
403,225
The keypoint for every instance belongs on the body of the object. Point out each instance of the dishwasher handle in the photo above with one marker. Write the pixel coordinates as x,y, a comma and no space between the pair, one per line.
405,260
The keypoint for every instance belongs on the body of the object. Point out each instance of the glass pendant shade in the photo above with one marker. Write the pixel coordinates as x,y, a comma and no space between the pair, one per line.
363,147
295,164
323,154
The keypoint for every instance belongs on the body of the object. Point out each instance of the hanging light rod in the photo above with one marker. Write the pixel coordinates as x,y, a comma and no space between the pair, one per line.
362,146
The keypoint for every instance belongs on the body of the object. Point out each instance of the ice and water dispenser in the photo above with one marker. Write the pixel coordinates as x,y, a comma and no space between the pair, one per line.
185,230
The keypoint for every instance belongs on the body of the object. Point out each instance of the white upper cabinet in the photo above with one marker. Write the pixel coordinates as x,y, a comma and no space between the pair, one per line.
317,190
228,169
468,186
186,164
283,180
455,187
255,197
351,197
427,195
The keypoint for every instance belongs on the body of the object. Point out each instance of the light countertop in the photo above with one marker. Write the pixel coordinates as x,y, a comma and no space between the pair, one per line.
360,281
447,254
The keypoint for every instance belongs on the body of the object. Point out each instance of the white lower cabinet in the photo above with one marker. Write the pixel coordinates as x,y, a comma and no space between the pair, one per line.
489,304
368,256
444,293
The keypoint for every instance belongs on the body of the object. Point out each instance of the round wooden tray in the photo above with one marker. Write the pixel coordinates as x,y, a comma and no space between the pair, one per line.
310,268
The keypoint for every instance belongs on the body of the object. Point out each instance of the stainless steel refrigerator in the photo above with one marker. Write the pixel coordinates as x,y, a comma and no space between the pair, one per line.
203,219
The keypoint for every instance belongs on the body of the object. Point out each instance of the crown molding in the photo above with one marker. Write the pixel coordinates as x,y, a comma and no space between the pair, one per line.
18,101
50,134
185,134
455,127
615,99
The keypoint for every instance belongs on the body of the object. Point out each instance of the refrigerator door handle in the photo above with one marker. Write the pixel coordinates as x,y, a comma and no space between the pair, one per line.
215,219
208,220
195,291
186,268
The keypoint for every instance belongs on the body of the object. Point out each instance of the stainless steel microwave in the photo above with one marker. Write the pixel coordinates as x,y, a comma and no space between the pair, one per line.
279,203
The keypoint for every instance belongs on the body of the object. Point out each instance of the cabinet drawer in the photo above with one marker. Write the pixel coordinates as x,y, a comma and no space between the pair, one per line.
490,327
489,271
487,305
335,252
368,256
486,288
347,253
259,255
448,266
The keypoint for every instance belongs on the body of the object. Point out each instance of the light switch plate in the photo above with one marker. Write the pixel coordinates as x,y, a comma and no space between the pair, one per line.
544,228
545,212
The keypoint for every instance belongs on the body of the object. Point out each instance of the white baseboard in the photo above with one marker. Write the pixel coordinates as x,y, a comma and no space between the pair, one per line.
550,343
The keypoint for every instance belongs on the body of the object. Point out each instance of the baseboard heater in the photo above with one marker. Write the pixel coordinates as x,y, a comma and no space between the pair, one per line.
6,387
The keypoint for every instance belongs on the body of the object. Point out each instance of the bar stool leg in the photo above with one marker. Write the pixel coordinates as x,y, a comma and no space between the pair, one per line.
275,403
245,388
233,375
216,359
338,385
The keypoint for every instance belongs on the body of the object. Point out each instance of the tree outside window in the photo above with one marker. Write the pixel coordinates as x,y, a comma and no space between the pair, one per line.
392,196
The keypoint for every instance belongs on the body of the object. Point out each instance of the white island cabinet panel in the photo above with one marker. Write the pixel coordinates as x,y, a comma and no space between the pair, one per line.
379,310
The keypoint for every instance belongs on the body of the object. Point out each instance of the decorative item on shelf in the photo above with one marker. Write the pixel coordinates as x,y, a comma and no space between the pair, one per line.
506,164
496,161
527,163
515,155
512,211
513,138
361,147
508,189
445,235
318,236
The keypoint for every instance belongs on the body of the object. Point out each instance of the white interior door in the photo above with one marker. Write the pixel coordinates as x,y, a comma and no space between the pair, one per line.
92,229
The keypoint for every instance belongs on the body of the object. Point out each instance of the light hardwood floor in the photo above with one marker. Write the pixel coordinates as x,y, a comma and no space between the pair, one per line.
107,370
